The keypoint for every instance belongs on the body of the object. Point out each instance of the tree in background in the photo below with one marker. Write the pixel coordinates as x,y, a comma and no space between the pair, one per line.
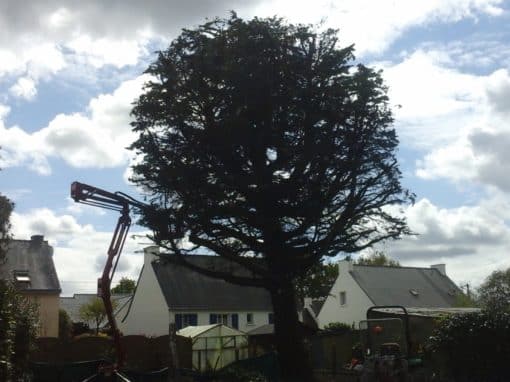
18,316
125,286
6,207
317,281
494,293
377,258
65,325
260,139
94,312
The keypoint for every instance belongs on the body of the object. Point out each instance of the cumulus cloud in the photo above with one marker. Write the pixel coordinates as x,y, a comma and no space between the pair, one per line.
480,151
24,88
97,138
470,240
435,101
45,37
388,19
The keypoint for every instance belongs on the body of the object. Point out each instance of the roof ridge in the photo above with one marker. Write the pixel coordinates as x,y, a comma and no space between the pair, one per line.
393,266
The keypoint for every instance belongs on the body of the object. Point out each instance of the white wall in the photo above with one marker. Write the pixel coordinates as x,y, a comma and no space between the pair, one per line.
259,318
149,312
357,302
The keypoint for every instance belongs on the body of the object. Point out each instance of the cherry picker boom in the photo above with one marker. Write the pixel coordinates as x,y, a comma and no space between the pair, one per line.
118,201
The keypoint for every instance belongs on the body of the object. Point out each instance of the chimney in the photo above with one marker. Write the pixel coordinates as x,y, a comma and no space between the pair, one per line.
150,254
440,267
36,241
345,266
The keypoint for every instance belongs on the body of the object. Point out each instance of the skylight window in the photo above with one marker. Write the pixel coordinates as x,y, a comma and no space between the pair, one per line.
21,276
414,292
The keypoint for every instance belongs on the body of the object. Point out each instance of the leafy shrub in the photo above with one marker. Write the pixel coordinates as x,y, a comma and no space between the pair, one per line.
80,328
65,326
339,327
18,330
473,346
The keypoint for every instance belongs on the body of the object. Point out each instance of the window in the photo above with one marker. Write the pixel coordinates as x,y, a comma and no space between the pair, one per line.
184,320
343,298
249,319
270,318
229,319
22,278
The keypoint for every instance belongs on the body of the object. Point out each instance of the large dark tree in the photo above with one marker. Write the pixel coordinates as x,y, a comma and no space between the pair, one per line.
262,139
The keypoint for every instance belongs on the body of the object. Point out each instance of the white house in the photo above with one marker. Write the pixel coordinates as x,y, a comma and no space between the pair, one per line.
359,287
168,292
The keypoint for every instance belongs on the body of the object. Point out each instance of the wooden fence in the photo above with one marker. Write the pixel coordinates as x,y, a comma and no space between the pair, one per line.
142,353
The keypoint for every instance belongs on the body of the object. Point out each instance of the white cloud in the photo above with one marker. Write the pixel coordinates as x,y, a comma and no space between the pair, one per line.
480,152
374,25
24,88
470,240
96,139
436,102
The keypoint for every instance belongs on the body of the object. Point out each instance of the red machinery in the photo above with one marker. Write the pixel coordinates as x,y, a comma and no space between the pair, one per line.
83,193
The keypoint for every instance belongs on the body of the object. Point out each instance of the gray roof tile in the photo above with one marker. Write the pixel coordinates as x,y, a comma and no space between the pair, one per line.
186,289
36,257
393,286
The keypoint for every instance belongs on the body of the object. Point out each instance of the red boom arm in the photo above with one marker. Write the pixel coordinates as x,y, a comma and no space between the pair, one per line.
83,193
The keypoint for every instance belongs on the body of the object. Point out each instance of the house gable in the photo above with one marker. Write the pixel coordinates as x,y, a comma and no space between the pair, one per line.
358,287
148,311
29,263
355,303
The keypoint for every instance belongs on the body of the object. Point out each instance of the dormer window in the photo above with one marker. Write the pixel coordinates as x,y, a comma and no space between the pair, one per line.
414,292
22,277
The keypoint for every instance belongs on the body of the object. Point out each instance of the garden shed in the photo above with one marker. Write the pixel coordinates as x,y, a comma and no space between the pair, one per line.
215,346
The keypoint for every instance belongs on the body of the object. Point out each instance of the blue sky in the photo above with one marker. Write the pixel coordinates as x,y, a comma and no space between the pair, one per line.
68,75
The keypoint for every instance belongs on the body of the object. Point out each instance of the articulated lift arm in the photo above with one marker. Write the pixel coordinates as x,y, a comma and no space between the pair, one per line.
83,193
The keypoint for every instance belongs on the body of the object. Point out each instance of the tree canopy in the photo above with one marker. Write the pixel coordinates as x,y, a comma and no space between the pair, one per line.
125,285
377,258
263,139
494,293
94,312
317,281
6,207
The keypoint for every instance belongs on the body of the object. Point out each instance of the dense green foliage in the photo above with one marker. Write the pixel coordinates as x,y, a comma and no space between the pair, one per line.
6,207
473,347
125,286
262,138
317,281
94,312
340,327
65,325
377,258
494,293
18,329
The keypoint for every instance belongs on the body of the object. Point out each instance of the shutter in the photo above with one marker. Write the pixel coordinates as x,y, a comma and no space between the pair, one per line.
213,318
235,320
193,319
178,321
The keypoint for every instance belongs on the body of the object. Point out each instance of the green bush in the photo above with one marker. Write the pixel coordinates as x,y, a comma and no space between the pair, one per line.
65,326
473,346
338,327
18,329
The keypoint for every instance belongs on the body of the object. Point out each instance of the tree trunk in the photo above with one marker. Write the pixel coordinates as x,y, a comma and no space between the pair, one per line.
292,356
